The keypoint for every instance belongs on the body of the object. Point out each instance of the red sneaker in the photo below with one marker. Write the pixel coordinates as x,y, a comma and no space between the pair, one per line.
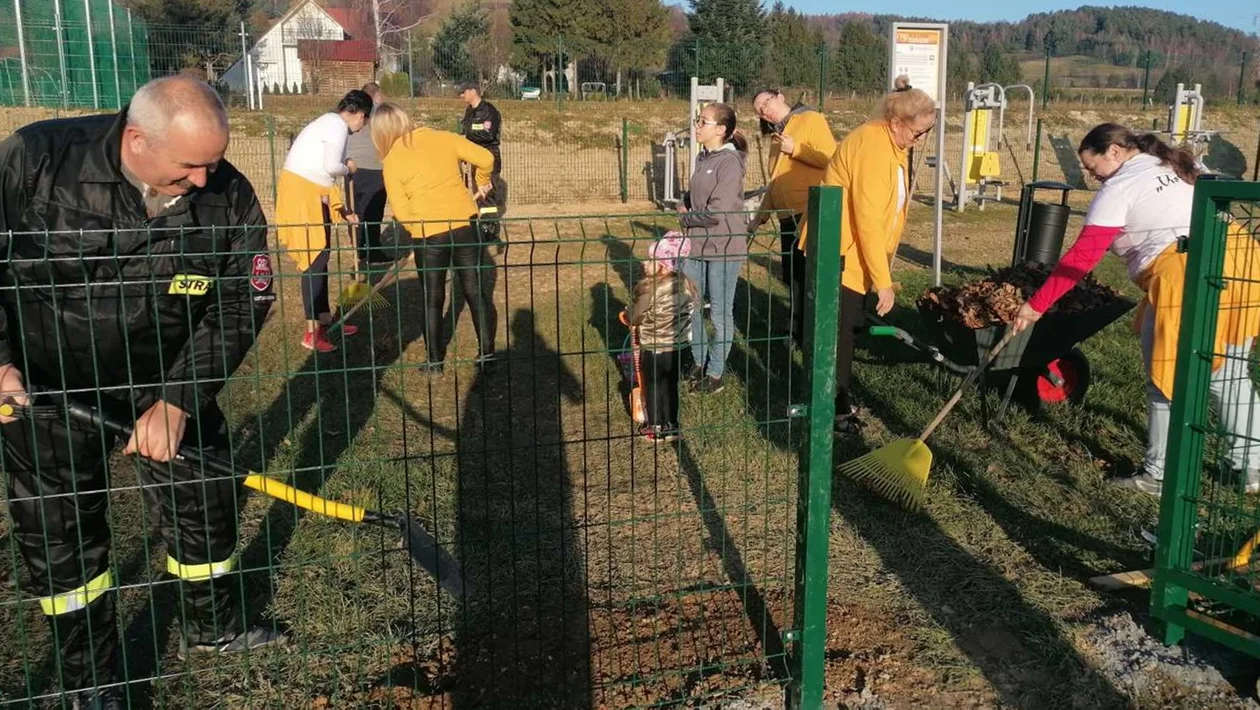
348,329
318,342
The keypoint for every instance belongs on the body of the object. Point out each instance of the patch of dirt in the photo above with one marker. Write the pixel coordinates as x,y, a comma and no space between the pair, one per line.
1139,665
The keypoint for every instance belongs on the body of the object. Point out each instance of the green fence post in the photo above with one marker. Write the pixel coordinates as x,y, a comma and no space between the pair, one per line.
698,75
822,74
813,506
1188,414
560,73
1037,153
271,148
625,161
1242,78
1146,80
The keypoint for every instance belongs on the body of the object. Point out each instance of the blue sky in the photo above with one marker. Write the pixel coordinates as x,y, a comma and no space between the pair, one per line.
1238,14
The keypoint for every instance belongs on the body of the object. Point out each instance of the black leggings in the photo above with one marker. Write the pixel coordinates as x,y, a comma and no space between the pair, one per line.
793,273
660,386
434,257
315,279
315,288
852,306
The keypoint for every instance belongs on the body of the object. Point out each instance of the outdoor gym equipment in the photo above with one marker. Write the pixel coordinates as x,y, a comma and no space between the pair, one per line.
981,178
983,140
1185,119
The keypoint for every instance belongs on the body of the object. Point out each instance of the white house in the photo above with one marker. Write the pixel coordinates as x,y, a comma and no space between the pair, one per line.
275,58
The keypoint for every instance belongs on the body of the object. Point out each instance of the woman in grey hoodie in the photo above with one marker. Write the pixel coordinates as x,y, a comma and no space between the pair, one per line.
713,218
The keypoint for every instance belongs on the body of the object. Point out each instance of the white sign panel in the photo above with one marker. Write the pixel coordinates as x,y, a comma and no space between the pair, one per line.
919,50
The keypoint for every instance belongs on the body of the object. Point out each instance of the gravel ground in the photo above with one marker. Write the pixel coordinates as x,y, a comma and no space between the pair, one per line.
1152,673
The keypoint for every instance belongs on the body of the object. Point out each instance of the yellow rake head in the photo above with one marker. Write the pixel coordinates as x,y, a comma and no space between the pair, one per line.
898,471
354,293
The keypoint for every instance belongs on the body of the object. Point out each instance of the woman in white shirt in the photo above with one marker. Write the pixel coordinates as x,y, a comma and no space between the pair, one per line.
1139,214
308,201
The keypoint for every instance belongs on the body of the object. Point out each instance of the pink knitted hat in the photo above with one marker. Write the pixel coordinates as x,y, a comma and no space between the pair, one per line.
669,249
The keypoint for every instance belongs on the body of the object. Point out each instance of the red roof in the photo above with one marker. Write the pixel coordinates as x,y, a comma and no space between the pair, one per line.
351,20
344,50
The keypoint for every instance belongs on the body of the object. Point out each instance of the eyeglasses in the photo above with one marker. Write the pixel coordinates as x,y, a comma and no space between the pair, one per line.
924,132
701,122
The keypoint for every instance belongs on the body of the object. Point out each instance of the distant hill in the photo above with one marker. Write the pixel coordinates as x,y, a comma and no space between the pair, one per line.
1114,41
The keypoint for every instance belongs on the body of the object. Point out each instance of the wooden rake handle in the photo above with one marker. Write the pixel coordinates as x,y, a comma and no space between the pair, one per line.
971,378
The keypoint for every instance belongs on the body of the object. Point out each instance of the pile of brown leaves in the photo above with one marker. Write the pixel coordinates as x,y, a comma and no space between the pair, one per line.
996,299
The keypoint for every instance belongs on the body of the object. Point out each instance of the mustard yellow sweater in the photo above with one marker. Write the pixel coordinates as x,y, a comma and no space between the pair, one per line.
792,176
865,165
424,184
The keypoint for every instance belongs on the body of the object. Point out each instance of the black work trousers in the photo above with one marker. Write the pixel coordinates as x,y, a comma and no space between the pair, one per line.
461,249
368,188
852,317
794,273
58,488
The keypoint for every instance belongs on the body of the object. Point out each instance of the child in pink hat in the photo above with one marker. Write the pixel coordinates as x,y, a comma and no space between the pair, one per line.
664,302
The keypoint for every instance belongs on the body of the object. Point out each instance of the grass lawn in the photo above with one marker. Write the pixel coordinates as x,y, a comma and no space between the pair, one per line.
604,571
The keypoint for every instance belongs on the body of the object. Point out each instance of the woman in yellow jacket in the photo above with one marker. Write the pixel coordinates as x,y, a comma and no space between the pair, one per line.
429,197
871,165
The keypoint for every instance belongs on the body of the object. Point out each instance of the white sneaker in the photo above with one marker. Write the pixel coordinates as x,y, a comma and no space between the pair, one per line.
1143,481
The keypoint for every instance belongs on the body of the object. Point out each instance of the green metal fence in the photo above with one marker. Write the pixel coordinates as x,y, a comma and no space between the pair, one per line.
71,53
599,569
1205,570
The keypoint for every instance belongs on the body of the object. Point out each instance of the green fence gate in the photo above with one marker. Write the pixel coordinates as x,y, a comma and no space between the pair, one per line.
599,569
1205,575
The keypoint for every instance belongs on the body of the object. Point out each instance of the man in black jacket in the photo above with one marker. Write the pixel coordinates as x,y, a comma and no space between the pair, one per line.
134,275
482,124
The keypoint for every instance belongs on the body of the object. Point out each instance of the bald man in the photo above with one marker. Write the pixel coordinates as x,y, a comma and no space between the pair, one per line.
135,277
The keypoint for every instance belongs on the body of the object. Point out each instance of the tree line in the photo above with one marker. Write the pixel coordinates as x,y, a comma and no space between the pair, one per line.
750,43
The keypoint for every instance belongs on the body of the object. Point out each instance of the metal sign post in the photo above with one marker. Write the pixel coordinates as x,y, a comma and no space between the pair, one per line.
919,50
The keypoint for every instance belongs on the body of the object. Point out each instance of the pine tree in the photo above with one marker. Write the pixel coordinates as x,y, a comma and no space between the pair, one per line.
451,57
792,47
630,34
539,25
998,66
729,36
861,59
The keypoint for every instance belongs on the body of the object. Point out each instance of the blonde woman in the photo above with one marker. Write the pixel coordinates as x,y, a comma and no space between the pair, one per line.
308,202
872,166
430,199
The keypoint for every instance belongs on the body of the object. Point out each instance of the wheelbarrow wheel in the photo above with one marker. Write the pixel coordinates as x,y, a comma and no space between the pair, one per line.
1065,380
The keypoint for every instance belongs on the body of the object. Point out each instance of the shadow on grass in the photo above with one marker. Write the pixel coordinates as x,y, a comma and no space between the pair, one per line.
1017,647
522,637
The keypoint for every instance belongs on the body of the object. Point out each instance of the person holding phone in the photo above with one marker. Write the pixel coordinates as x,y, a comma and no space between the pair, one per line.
801,147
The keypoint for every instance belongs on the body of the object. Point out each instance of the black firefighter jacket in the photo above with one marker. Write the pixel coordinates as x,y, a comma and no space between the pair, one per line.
95,295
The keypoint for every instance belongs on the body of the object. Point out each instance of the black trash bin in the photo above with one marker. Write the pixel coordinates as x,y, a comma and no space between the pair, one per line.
1041,226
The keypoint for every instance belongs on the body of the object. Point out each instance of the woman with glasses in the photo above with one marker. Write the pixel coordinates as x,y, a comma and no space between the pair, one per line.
713,218
872,166
802,146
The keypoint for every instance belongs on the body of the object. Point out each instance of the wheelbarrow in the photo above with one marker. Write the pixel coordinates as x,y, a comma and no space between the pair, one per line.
1040,366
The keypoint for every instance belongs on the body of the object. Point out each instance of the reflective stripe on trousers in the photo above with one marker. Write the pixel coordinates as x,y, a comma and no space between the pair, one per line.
77,599
202,572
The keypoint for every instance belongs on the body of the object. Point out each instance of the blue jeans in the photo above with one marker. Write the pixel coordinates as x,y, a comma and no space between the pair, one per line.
716,282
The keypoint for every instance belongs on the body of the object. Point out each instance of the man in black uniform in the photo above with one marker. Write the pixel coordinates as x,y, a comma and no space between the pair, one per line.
134,277
482,124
